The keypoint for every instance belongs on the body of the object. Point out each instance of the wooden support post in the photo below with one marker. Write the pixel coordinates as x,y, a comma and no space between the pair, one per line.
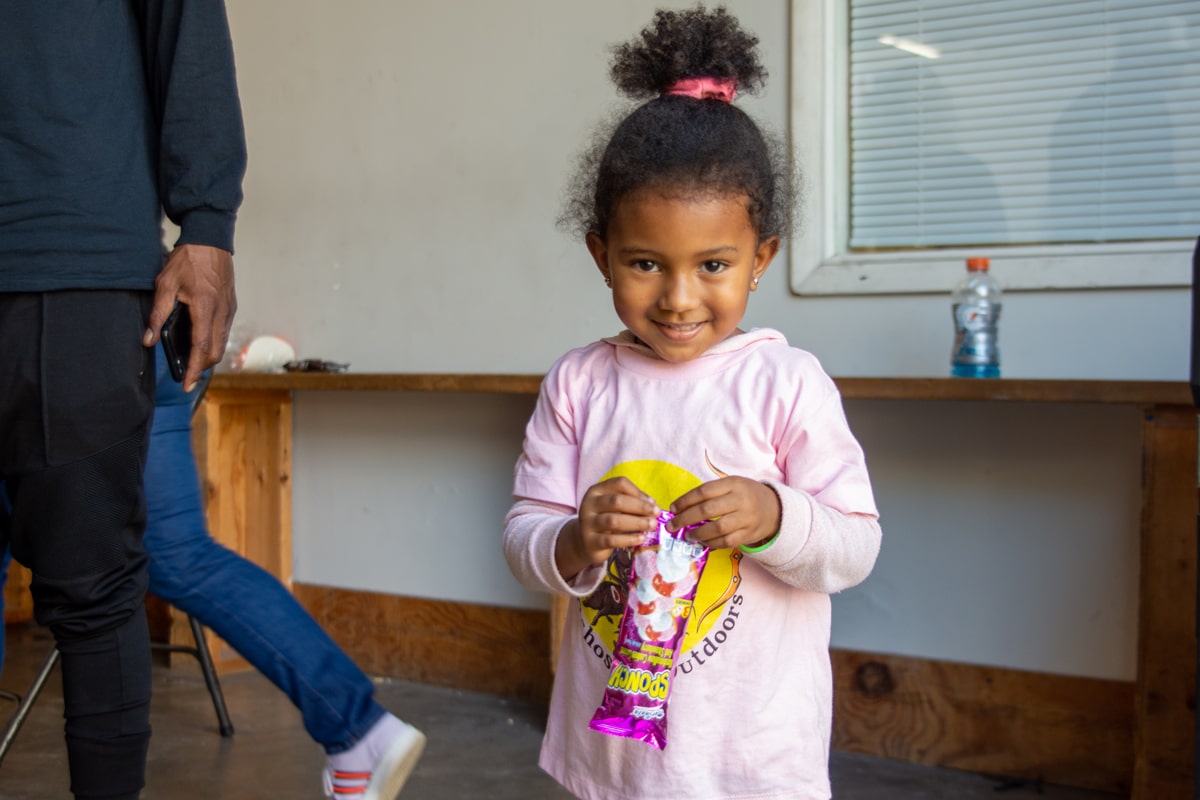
18,603
1165,699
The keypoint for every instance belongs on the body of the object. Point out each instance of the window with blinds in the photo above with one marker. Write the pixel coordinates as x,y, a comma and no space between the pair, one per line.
1022,122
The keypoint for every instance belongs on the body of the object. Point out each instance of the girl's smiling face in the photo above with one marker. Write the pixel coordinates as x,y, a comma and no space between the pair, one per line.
681,268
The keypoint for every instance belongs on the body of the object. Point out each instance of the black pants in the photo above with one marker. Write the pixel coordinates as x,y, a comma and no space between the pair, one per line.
76,401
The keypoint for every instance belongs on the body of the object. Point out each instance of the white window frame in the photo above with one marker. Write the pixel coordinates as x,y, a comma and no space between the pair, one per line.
820,260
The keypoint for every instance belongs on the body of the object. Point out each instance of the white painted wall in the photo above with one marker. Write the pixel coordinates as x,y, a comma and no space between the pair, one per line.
406,167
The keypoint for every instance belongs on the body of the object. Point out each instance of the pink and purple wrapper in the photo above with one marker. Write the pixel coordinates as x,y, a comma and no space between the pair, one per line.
665,573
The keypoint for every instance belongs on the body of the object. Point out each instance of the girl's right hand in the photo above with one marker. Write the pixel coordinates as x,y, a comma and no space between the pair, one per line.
612,514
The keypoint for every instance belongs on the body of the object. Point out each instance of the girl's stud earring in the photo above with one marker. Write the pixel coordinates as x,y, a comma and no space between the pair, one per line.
608,281
754,283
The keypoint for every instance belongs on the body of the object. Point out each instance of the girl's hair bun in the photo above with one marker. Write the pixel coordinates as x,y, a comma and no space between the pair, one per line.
694,43
686,139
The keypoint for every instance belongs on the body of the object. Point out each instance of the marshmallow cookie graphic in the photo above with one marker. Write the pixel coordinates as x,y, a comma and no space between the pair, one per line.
673,573
664,575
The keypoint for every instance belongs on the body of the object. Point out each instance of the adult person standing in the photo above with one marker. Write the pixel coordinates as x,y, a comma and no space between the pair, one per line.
370,752
113,111
99,175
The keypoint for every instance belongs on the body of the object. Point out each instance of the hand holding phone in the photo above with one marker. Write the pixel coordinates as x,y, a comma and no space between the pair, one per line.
177,340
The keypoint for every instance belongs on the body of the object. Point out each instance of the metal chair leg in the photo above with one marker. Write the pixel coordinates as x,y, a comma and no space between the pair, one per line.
23,708
210,678
201,653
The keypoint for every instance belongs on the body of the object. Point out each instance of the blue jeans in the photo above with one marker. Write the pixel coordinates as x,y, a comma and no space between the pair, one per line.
241,602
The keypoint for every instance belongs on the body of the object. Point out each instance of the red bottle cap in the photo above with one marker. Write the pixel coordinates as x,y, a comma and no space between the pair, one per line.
977,264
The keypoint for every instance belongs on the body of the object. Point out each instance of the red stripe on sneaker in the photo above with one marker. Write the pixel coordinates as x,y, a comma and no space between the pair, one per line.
351,776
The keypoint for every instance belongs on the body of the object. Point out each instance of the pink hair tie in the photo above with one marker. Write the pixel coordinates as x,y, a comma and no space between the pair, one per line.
705,88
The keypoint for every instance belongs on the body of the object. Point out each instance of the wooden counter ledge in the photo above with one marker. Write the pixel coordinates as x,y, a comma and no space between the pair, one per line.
1175,393
377,382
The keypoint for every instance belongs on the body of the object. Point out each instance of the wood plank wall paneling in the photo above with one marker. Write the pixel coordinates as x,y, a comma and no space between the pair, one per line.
1058,729
479,648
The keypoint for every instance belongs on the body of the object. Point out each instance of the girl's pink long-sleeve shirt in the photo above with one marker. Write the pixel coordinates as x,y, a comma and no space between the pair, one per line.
749,713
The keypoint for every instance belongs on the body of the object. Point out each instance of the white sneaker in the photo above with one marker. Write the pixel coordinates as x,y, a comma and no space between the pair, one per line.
377,767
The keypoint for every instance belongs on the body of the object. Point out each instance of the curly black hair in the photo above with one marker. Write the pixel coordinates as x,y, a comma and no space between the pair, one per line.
681,145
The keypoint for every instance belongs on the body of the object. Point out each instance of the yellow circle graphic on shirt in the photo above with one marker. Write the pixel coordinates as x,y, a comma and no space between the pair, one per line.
603,608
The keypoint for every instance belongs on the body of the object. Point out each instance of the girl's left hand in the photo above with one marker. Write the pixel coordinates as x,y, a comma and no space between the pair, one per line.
740,512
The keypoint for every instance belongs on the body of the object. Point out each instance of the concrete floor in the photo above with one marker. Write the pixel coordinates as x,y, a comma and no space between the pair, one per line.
480,747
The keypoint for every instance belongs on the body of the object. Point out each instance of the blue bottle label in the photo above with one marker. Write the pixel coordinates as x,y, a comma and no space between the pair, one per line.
976,354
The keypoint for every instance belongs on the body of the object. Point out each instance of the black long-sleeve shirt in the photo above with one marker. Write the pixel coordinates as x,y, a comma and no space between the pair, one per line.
112,112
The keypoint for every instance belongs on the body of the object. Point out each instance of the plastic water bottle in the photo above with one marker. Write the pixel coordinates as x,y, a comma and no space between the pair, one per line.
976,310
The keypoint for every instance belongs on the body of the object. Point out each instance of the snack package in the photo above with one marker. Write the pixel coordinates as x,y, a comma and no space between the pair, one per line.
666,570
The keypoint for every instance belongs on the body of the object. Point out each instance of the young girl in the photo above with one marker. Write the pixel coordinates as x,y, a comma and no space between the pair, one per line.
683,211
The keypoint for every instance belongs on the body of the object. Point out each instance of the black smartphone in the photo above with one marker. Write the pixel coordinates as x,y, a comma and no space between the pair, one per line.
177,340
